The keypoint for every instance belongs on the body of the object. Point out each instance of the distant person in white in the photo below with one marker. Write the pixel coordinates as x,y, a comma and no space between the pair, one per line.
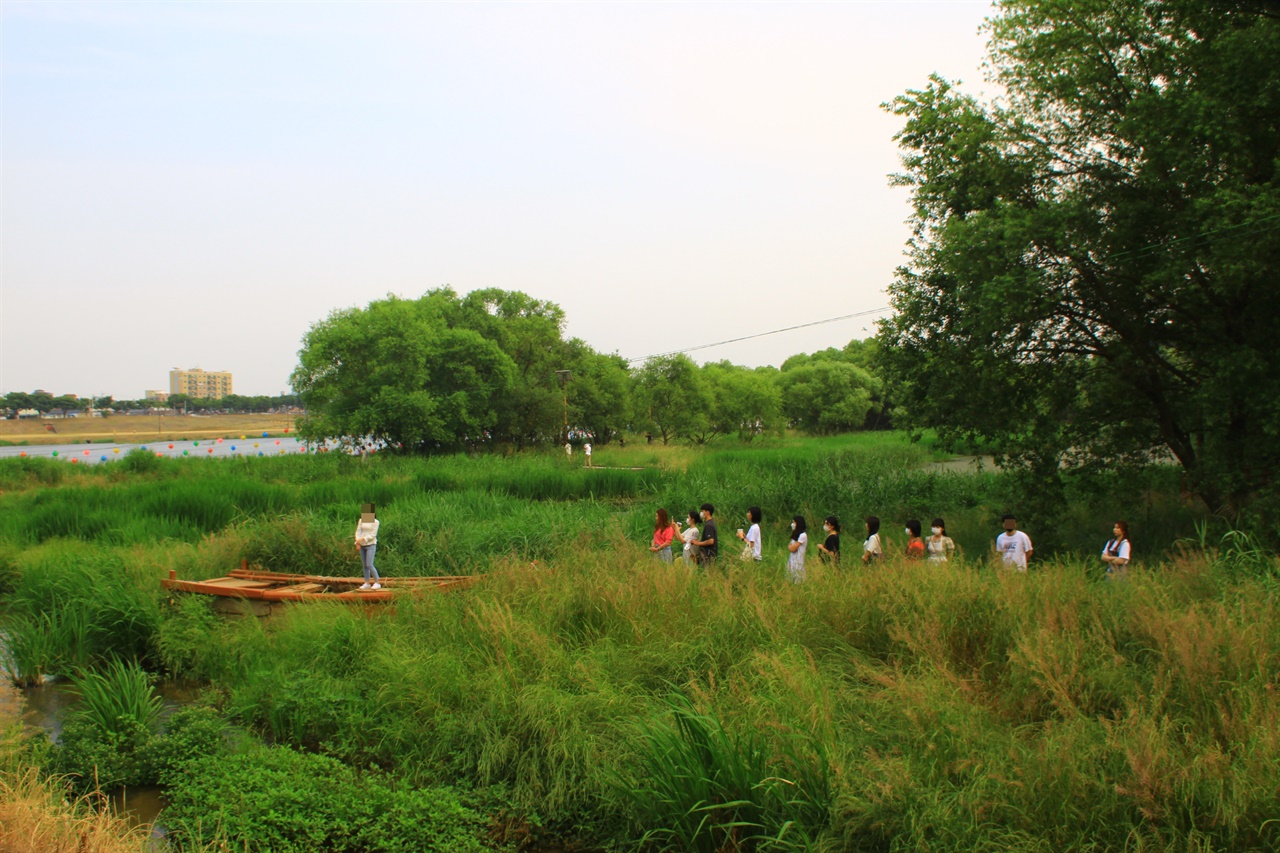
586,449
797,546
367,542
1116,552
1014,545
568,450
751,550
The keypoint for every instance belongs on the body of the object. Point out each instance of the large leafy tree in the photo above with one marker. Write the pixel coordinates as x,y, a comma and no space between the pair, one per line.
671,396
1094,263
406,371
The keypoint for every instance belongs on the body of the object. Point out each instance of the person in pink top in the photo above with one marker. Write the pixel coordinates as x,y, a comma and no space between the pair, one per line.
663,532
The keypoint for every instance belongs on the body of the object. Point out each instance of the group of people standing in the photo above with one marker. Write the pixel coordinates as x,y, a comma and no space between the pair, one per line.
702,546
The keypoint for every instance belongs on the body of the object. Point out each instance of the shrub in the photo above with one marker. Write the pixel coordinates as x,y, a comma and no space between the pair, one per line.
280,800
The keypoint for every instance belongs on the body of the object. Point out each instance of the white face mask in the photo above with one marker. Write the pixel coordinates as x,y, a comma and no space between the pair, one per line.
937,531
906,530
793,525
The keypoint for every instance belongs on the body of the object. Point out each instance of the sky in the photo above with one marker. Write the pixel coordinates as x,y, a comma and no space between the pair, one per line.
196,184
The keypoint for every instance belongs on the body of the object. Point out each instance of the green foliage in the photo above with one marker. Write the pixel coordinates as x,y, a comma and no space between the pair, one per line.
698,788
117,698
91,758
1090,276
279,800
825,397
75,605
671,396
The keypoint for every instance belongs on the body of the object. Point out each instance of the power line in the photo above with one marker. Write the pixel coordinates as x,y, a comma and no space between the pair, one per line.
761,334
1176,242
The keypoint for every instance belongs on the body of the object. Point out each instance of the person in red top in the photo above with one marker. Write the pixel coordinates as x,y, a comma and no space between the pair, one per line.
915,545
663,532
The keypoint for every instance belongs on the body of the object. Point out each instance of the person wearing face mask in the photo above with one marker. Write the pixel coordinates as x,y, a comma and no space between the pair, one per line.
830,549
939,545
797,546
915,545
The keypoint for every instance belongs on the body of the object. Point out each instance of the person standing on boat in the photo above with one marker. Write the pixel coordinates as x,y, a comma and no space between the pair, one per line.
367,542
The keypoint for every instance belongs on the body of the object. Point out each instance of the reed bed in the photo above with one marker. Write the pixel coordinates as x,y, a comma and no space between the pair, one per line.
595,693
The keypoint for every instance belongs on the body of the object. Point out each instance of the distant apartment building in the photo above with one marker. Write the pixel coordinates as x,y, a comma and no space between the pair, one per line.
205,384
158,396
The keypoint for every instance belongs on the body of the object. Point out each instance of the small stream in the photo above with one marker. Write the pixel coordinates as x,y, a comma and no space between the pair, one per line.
45,707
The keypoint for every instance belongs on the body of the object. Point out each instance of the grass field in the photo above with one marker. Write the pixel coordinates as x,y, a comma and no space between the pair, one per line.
585,695
129,428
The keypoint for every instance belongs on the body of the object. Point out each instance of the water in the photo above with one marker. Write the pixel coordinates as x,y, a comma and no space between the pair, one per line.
45,707
93,454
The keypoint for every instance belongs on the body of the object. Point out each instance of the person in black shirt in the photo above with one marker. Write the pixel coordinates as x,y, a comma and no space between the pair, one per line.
830,549
708,545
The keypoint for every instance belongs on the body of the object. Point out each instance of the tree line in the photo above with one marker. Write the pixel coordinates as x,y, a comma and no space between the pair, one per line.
1088,287
45,402
445,372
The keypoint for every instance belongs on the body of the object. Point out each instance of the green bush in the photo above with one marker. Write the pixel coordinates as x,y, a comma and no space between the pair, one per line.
279,800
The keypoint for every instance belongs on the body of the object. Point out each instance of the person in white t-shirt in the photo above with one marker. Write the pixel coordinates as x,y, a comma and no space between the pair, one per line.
1116,552
752,536
872,551
586,450
1013,545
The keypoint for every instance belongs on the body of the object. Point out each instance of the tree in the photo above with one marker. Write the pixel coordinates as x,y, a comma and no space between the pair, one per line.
744,401
1091,276
402,371
599,391
670,396
825,396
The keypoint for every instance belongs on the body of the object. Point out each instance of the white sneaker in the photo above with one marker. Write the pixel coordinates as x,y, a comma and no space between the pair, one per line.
377,586
364,586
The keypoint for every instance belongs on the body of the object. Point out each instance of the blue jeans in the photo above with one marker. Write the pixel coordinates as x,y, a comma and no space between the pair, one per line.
366,560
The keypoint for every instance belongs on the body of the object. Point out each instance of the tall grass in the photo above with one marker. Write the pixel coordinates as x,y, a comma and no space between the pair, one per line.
118,697
901,706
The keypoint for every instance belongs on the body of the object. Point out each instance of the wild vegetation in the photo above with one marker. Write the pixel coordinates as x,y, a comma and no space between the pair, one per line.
584,692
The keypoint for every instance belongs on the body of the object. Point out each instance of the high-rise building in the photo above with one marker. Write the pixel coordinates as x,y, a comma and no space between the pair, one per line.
205,384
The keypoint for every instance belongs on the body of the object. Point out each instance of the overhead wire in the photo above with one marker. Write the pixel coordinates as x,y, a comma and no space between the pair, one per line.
867,313
1178,242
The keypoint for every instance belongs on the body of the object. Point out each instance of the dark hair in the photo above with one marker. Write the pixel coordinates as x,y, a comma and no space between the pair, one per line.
937,522
800,525
913,524
873,525
1124,528
1008,516
709,508
753,513
693,516
834,522
663,520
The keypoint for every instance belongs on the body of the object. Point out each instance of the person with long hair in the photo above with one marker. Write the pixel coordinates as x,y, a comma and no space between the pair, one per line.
663,532
1117,552
939,545
796,548
367,544
830,548
872,549
752,535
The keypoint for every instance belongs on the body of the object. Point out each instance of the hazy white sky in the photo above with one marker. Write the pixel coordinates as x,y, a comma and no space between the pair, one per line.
195,184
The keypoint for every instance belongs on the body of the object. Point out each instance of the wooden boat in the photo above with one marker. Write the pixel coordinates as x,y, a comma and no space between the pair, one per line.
255,584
